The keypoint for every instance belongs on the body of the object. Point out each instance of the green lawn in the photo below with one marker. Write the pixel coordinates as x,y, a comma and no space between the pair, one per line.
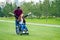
45,21
41,21
7,32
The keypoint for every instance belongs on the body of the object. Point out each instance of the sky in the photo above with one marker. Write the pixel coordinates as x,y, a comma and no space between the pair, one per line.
2,0
21,0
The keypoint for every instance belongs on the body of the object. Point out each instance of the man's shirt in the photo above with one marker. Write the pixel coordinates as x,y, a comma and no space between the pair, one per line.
18,12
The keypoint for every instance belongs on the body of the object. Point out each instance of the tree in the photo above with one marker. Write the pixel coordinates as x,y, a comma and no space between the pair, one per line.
57,8
46,7
8,9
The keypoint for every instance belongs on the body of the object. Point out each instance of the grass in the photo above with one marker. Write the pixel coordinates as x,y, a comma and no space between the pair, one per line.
7,32
7,18
45,21
42,21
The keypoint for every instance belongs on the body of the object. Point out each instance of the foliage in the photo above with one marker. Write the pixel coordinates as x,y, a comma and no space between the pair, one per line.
45,9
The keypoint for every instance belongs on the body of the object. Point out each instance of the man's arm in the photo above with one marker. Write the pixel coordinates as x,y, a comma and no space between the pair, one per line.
27,15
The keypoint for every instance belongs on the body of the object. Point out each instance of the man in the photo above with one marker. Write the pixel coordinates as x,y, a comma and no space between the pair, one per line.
20,21
18,13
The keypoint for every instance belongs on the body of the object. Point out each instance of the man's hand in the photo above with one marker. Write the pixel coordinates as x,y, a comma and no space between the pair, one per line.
29,13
